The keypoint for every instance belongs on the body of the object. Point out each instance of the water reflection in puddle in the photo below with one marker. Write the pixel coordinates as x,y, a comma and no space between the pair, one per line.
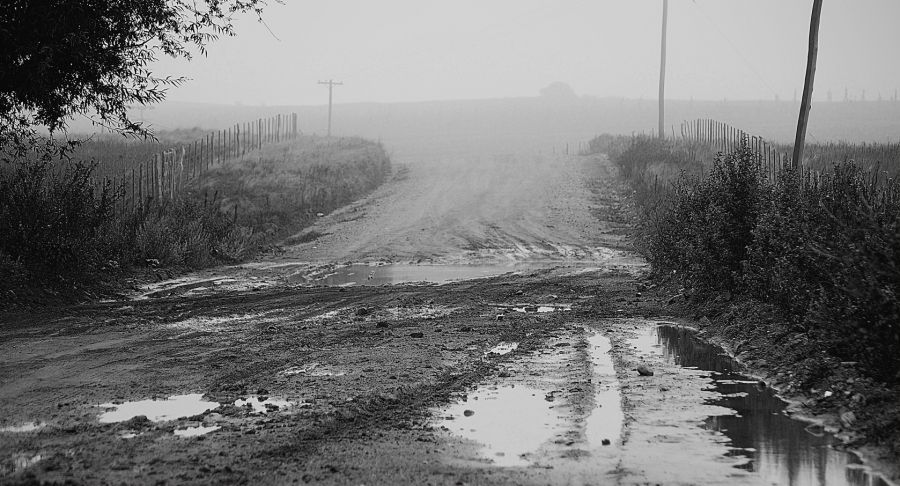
511,422
196,431
263,404
395,273
604,425
503,348
542,309
17,429
172,408
777,448
520,424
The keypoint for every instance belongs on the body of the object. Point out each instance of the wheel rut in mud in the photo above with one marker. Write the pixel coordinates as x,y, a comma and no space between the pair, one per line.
472,322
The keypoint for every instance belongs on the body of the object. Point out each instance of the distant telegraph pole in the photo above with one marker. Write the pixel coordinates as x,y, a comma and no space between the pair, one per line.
808,84
331,84
662,73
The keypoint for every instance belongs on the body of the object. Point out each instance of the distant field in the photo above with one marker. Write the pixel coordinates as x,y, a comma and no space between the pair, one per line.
452,128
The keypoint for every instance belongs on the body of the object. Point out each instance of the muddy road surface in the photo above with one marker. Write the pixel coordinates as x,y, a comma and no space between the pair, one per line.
477,320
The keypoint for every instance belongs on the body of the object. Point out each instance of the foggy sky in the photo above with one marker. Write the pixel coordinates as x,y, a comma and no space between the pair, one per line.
414,50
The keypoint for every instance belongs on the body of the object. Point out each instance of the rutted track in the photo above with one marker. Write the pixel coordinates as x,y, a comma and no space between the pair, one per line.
361,373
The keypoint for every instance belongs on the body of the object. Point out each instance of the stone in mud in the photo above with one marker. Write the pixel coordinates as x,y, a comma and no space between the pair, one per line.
605,442
212,418
468,413
499,317
848,419
416,335
137,422
644,370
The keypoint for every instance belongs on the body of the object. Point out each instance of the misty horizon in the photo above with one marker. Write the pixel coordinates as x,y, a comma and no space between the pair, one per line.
406,51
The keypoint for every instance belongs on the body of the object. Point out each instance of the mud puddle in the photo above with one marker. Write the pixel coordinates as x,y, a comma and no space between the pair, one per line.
263,404
172,408
541,309
510,422
604,425
774,447
397,273
561,403
22,428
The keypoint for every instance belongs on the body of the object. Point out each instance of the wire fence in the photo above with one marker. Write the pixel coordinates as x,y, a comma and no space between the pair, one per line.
703,139
167,175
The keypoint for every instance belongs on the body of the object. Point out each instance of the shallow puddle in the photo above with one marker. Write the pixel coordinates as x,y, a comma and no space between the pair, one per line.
196,431
542,309
172,408
17,429
777,448
396,273
510,422
503,348
535,414
263,404
604,425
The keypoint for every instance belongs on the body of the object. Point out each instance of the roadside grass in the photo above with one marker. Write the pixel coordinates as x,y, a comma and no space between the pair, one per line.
273,191
61,237
821,254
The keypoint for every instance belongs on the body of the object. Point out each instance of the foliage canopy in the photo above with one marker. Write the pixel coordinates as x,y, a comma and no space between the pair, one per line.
62,58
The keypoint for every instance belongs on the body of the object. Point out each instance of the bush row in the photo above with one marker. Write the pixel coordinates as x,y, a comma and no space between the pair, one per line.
59,231
824,250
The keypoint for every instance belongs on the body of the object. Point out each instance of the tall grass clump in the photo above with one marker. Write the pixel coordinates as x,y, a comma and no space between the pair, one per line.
823,250
286,186
52,220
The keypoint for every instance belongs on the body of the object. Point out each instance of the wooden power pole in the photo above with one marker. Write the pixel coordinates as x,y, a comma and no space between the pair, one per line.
331,84
808,84
662,73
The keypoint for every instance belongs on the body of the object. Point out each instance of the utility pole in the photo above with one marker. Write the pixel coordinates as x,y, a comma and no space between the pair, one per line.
662,73
331,84
808,84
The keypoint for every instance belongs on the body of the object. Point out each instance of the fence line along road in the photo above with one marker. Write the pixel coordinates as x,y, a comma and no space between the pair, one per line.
166,175
703,138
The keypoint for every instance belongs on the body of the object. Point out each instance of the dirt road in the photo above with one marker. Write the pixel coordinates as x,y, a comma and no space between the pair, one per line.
528,376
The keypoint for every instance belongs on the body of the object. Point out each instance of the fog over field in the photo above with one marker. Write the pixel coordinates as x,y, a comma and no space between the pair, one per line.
546,120
735,60
410,242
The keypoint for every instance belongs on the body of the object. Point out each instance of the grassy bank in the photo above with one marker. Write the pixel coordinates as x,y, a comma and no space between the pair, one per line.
61,237
805,270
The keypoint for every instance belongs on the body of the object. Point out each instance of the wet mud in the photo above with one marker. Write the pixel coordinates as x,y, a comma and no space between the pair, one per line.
245,374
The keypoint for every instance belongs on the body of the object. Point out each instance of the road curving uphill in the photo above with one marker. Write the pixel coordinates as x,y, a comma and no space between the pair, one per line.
267,372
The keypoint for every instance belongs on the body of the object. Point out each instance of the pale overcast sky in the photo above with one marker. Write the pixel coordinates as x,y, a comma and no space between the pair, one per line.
414,50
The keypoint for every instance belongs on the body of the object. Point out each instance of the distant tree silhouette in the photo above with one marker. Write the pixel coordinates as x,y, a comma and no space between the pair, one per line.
559,91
